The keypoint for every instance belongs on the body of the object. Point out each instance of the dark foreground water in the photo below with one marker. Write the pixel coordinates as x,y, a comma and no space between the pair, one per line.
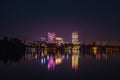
33,66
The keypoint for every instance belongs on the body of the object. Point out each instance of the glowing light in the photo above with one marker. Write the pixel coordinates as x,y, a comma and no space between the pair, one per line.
43,60
43,39
42,54
36,57
75,62
58,38
45,51
51,63
76,47
58,61
47,57
95,50
74,51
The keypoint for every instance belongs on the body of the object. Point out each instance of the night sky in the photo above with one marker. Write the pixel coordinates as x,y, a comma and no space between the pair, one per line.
31,19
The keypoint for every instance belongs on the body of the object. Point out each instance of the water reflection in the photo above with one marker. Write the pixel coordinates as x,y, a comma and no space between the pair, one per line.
55,64
11,57
75,61
52,58
51,63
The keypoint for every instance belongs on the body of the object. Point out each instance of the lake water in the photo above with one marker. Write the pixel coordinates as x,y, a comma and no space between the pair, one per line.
78,66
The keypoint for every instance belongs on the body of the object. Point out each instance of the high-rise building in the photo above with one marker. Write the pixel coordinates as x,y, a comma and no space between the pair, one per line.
51,37
75,37
59,40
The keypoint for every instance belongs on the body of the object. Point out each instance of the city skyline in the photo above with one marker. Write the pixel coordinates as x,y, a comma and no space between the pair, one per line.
28,20
59,39
52,37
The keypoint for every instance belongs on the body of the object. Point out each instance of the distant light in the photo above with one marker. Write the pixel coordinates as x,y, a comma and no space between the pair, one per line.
36,56
47,57
43,60
51,63
58,61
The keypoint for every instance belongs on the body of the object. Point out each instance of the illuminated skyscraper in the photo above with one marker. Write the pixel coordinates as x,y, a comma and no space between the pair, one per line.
51,37
75,37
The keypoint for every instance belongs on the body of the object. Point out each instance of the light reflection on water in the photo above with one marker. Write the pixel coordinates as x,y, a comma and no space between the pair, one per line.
69,64
51,60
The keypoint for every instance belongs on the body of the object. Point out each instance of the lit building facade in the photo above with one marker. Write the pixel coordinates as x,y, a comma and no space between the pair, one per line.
75,37
58,40
51,37
43,39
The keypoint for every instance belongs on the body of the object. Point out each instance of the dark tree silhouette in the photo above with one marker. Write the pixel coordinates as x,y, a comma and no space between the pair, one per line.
11,49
